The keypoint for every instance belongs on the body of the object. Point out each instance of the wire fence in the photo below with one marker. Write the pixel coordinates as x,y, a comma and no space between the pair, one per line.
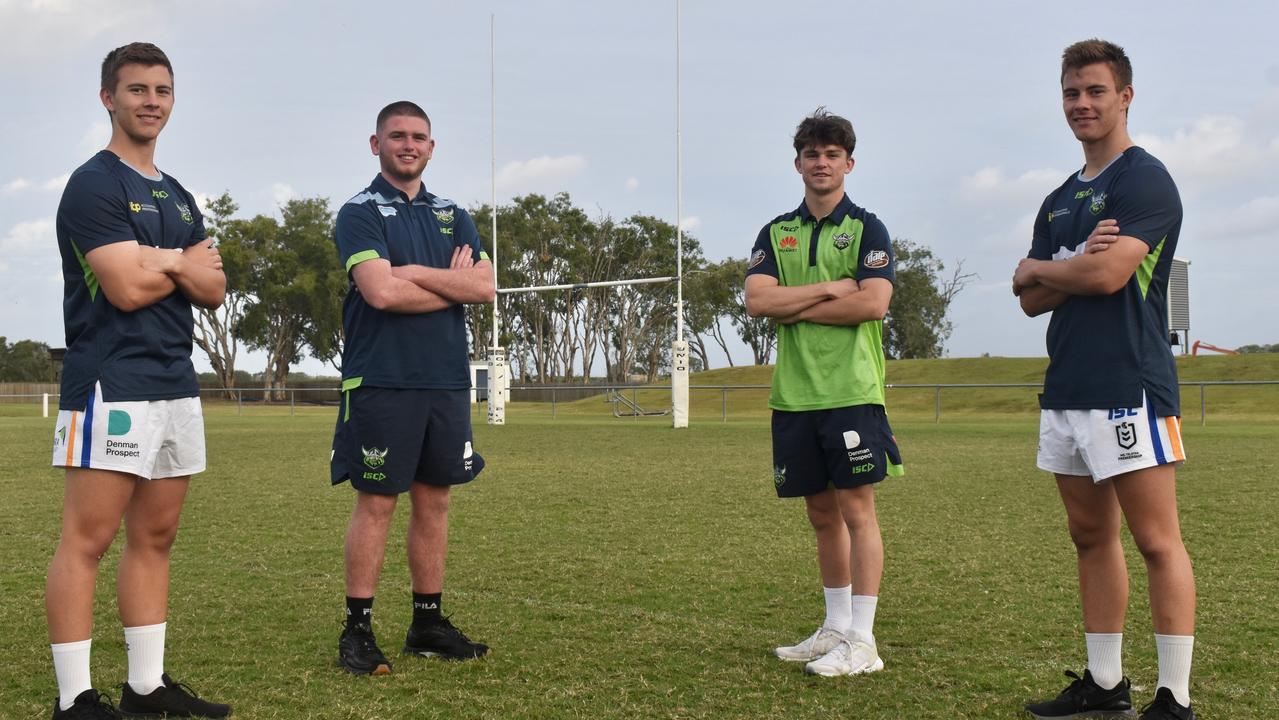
633,400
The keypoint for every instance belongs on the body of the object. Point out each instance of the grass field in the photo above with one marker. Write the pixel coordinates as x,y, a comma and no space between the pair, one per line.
621,569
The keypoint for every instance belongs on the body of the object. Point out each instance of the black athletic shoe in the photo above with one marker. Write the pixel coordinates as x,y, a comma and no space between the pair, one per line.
170,700
88,705
1083,699
1164,707
358,651
444,640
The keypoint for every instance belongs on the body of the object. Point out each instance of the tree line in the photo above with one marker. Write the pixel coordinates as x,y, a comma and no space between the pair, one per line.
285,289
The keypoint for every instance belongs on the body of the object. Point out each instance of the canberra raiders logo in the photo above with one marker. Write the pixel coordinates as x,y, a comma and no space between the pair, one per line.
779,475
373,457
444,216
842,240
1098,204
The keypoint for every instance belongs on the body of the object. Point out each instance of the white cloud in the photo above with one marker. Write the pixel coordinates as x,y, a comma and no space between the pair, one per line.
692,222
15,185
281,193
54,26
29,235
523,175
1255,217
633,182
96,137
55,184
991,186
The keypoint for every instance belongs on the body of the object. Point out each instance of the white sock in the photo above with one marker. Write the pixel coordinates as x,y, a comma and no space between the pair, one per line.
1174,665
145,647
864,614
71,667
1105,658
839,608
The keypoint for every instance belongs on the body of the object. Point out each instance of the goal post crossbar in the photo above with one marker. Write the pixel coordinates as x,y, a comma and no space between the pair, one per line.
582,286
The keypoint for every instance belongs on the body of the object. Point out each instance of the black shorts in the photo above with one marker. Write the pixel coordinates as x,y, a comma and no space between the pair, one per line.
842,447
387,439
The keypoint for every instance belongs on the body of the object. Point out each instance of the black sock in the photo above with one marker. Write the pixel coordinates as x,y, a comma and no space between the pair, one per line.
426,608
359,610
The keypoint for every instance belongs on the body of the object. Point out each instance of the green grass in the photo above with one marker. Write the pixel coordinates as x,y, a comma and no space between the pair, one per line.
621,569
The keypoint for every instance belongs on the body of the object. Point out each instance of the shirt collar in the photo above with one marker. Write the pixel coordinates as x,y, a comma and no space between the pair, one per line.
386,189
841,211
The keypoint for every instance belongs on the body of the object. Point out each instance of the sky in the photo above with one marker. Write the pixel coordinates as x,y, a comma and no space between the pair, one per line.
957,109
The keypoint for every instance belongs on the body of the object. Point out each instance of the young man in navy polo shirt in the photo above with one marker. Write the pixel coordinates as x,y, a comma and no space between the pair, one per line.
1109,431
130,432
414,261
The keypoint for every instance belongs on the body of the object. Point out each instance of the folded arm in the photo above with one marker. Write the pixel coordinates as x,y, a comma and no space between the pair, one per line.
464,281
383,290
765,297
868,303
134,276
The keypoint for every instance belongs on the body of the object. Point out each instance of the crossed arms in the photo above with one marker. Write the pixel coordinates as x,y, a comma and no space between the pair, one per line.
421,289
135,276
834,302
1108,261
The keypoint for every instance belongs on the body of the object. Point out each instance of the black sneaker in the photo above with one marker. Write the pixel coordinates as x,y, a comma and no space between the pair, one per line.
88,705
1164,707
358,651
444,640
1083,699
172,699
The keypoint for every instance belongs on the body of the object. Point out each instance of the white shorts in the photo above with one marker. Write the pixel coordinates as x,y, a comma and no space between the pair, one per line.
151,439
1106,443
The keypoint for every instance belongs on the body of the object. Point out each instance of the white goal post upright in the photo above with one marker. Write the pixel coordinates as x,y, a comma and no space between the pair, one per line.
679,348
497,370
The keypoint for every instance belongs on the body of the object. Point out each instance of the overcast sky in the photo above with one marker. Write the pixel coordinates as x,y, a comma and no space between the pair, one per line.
956,107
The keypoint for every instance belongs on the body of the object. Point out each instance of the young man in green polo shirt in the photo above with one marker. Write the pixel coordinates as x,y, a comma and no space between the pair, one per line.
824,273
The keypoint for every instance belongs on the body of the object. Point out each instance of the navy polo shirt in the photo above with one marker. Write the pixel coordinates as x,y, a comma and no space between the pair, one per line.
1104,350
403,350
139,355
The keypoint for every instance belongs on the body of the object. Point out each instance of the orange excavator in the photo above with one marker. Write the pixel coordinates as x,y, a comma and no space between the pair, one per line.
1194,349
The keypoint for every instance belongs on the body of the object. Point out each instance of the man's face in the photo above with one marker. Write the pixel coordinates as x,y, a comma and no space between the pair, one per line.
823,167
141,101
403,145
1093,107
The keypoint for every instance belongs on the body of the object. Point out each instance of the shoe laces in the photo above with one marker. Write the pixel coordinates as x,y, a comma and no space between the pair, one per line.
1161,703
1075,687
102,707
447,626
363,636
180,687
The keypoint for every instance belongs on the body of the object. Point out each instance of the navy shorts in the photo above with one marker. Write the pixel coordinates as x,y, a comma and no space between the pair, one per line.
843,447
387,439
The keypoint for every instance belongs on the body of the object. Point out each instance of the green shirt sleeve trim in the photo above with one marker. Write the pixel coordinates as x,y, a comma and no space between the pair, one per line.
351,383
484,255
90,278
1146,270
360,257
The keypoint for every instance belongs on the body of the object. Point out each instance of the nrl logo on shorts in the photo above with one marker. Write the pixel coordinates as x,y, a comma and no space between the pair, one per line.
444,216
779,476
843,240
1126,435
373,457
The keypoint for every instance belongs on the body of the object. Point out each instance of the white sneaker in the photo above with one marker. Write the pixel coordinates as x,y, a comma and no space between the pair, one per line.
817,645
854,655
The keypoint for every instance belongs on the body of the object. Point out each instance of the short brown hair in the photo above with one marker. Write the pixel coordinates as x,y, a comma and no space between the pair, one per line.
401,107
1088,52
823,128
133,53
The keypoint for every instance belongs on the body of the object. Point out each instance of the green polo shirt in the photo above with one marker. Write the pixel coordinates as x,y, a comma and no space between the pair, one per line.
820,367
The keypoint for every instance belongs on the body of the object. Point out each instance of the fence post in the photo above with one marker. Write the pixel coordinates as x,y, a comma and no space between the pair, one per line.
292,409
239,402
552,402
1203,410
723,404
937,406
45,411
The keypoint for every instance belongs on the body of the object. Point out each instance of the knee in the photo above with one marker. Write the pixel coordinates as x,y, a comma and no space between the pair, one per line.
153,538
1157,548
86,544
374,508
824,518
1089,537
432,501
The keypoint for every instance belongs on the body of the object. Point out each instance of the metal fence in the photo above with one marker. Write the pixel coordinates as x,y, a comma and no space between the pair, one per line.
623,395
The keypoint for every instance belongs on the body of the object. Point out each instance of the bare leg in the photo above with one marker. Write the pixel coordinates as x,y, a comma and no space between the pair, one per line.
833,542
857,509
151,526
366,542
1092,513
1149,501
428,536
93,504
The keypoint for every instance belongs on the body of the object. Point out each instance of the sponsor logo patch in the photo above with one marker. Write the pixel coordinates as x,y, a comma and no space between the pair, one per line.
467,453
1058,213
386,210
788,244
118,422
757,257
852,439
373,457
876,259
160,194
788,228
1083,194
